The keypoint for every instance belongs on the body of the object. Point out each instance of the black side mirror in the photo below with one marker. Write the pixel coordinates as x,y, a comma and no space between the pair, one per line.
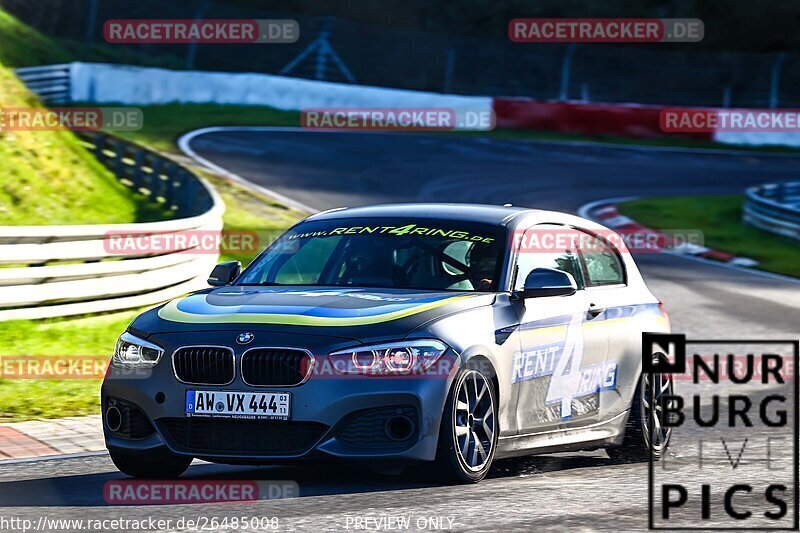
224,273
548,282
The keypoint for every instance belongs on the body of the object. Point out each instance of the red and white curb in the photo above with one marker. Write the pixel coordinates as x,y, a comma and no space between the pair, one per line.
605,212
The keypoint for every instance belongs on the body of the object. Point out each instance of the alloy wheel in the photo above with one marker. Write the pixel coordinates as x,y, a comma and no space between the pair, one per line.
475,421
656,433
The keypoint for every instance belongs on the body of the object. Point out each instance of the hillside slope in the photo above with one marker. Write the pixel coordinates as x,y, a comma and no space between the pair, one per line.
50,178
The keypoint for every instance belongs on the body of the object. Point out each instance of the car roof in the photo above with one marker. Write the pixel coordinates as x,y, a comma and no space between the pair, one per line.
489,214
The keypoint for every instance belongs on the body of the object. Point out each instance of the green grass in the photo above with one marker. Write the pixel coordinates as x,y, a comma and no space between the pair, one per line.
720,220
164,124
25,399
251,213
48,177
245,211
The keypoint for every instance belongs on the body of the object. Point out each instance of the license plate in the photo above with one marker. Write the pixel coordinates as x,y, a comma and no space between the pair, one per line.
262,405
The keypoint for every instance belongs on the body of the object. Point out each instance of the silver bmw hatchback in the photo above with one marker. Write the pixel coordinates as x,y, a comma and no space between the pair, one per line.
395,335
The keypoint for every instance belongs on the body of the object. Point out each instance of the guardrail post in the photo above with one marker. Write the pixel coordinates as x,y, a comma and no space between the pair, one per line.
152,181
138,182
169,193
119,153
99,147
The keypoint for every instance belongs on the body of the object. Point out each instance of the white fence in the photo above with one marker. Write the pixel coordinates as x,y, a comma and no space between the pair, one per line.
129,85
48,271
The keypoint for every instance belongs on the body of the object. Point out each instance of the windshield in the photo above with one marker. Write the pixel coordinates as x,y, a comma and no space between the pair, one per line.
385,253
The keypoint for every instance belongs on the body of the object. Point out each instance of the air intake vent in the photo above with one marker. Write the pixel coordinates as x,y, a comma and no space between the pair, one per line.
276,367
204,365
238,437
132,422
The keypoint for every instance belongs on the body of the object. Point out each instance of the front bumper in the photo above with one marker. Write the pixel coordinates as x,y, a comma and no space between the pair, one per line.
332,417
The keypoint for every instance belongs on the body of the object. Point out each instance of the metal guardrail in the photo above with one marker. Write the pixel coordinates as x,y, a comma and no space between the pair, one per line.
52,83
49,271
151,173
774,207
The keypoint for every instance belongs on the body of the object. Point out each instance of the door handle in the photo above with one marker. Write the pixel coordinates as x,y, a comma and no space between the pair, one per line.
594,311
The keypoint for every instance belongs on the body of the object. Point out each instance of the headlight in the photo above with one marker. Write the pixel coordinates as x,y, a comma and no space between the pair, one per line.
133,352
403,357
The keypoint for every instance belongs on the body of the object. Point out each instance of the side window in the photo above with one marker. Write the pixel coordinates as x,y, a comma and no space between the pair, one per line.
539,248
601,262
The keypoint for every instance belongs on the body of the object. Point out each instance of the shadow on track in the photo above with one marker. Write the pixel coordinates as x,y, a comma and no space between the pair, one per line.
87,490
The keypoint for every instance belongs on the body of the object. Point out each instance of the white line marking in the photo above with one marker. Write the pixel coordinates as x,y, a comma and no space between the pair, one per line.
619,220
184,144
606,210
584,210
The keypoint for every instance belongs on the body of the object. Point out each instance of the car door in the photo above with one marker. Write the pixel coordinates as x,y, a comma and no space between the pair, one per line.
604,280
555,347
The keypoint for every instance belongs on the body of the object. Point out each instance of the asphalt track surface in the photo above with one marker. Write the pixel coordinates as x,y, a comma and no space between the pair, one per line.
574,491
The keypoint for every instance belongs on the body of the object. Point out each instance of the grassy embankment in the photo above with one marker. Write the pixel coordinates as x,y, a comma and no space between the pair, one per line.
96,334
48,178
720,220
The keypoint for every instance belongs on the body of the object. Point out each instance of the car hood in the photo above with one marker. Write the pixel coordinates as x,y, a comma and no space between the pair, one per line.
354,313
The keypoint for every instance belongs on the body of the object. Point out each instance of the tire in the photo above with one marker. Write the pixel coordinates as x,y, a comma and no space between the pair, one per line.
637,445
466,422
135,466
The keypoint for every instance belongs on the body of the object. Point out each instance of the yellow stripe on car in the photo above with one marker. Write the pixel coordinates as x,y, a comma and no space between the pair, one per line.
172,313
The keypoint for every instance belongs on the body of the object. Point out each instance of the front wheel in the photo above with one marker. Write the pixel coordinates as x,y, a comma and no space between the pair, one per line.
646,431
469,429
164,468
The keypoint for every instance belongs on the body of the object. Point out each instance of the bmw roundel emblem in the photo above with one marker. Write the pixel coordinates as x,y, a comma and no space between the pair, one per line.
245,338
